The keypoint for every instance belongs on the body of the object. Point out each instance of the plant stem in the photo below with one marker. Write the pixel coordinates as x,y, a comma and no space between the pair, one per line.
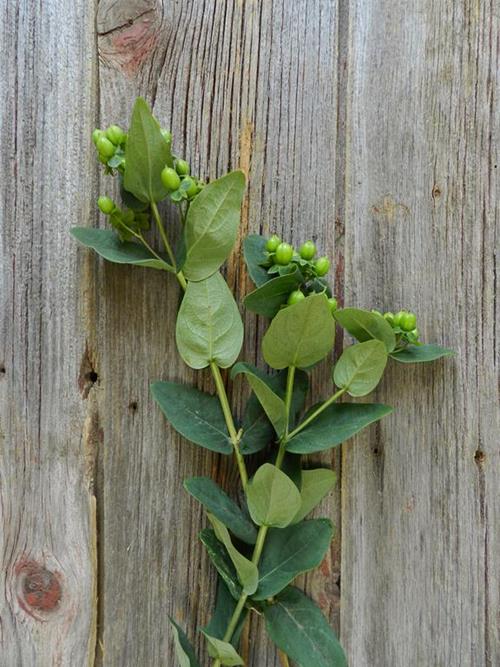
316,413
228,416
163,234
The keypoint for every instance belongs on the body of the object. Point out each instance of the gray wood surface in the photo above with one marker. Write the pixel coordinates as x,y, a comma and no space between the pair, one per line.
369,127
420,497
47,509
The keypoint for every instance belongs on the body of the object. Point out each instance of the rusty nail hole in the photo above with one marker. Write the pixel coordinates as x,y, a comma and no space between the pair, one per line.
436,192
132,406
2,369
41,589
479,456
92,377
376,451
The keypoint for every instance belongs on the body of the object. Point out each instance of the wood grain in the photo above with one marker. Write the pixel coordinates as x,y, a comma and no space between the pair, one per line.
421,503
47,509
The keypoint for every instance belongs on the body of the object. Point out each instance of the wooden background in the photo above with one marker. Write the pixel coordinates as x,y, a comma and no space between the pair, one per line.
371,127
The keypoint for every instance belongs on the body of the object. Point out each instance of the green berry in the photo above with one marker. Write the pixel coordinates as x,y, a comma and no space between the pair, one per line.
284,254
332,302
389,317
273,243
398,317
322,266
408,322
182,167
106,204
167,135
376,312
190,186
170,178
295,297
96,134
307,250
105,147
115,134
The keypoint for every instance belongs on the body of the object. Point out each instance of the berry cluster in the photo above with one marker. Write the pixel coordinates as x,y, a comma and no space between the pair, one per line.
128,223
404,324
110,146
178,181
282,259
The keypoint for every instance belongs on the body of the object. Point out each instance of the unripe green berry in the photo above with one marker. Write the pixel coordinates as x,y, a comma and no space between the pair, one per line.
376,312
307,250
106,204
284,254
332,302
96,134
295,297
396,322
190,186
170,178
167,135
115,134
408,322
389,317
273,243
322,266
182,167
105,147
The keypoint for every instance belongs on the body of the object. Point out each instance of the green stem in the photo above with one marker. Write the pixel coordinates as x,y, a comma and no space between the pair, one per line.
316,413
163,234
228,416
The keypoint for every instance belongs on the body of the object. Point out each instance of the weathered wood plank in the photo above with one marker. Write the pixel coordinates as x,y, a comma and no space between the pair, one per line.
250,84
421,505
47,540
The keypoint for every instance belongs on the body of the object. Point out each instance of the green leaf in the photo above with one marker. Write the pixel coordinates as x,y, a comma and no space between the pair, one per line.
336,424
257,429
360,367
299,629
420,353
224,608
268,298
213,498
130,201
273,405
223,651
300,335
107,244
248,574
315,485
195,415
212,225
146,154
209,326
183,649
254,251
290,551
273,499
223,564
364,325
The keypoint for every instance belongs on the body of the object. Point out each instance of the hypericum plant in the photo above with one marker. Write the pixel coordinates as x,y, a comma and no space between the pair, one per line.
260,546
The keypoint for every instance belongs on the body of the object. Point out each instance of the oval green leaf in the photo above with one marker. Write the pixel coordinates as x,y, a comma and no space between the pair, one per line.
223,564
107,244
212,225
360,367
364,325
146,154
336,424
194,414
183,649
222,651
290,551
267,299
273,499
414,354
300,335
213,498
315,484
299,629
272,404
209,326
248,574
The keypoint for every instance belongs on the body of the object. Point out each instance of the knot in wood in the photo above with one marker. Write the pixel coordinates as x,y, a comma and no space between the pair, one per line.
40,588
